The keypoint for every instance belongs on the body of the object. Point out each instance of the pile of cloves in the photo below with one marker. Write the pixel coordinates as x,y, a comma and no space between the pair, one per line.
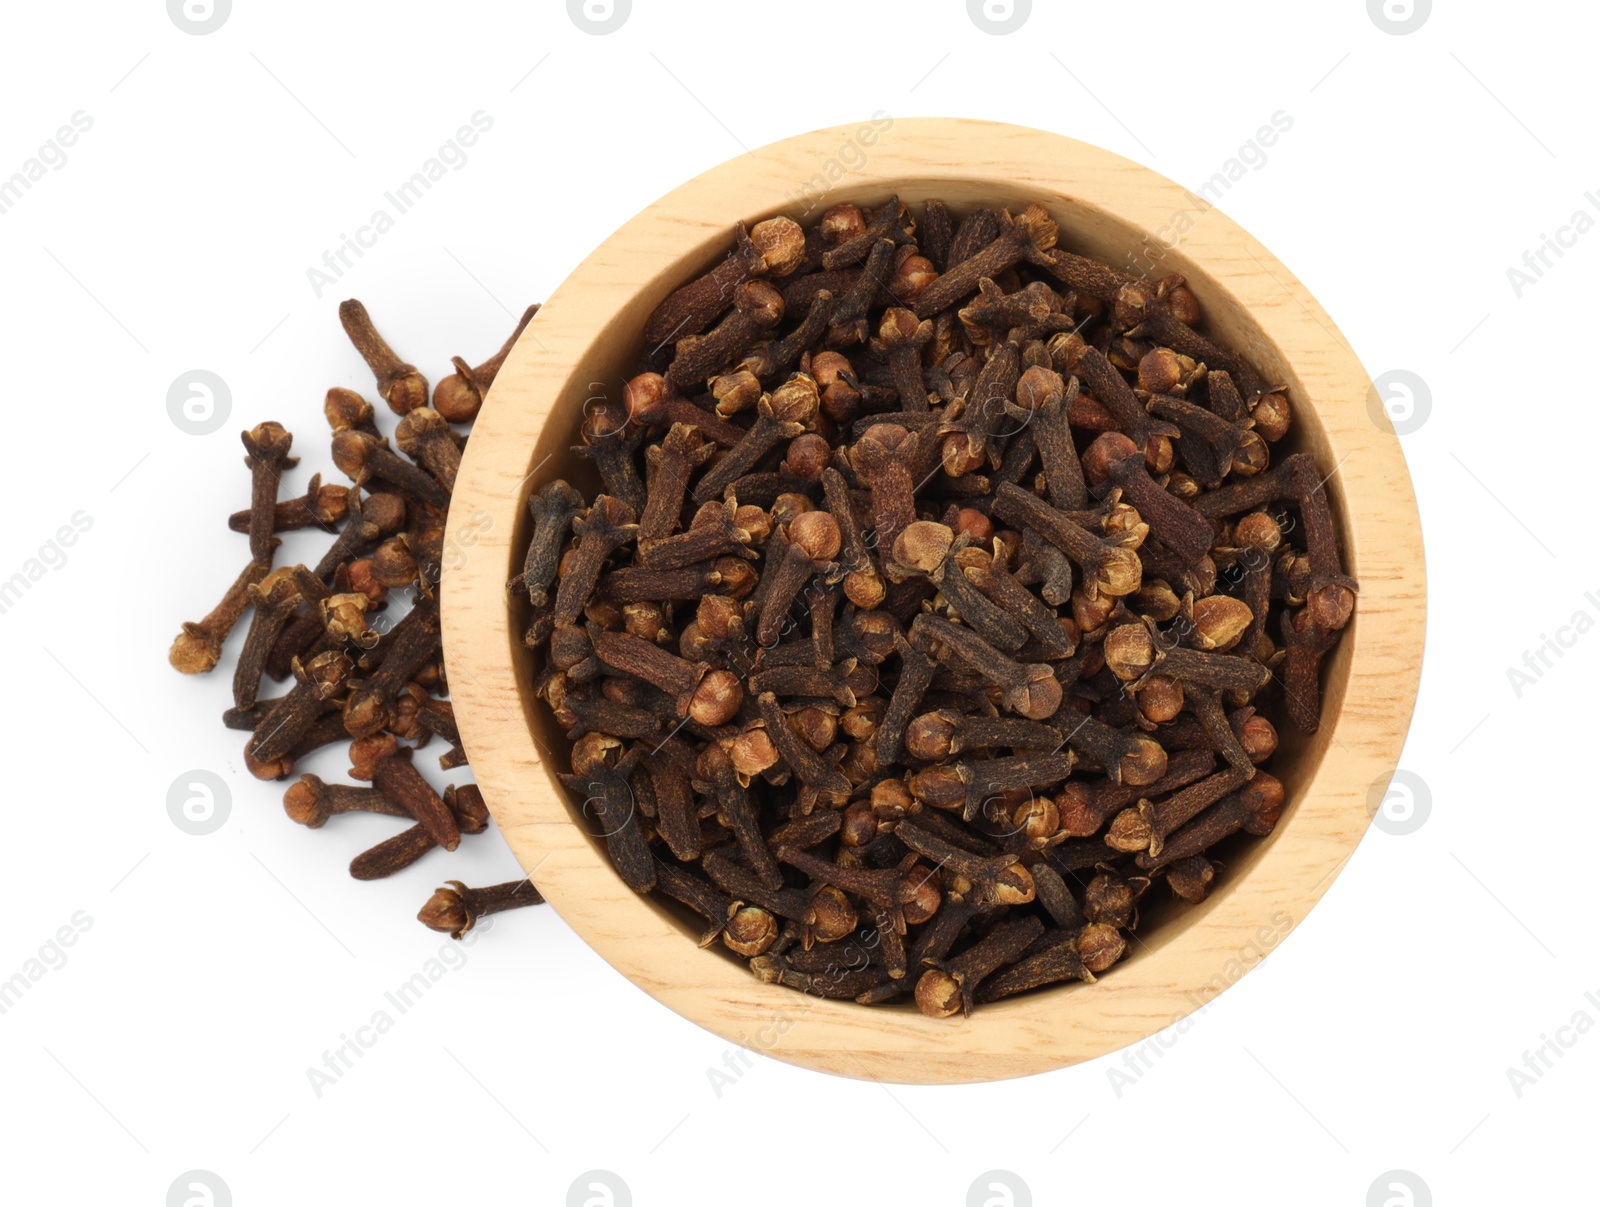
941,597
325,630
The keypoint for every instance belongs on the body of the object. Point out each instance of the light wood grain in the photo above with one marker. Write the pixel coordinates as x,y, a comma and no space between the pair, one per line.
583,343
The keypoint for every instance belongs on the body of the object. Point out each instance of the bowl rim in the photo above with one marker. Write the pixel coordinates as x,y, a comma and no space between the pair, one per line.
1360,740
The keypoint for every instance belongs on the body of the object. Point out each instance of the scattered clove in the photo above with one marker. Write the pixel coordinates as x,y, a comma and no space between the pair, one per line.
455,909
357,671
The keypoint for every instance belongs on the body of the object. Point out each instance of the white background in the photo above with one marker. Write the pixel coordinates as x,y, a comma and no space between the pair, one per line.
1419,168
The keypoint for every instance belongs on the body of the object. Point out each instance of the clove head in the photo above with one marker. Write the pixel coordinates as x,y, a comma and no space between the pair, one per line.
920,899
760,303
267,441
1129,651
938,994
788,505
457,396
392,563
842,223
1272,416
1250,456
864,588
365,753
271,769
382,514
345,409
1075,808
1011,886
352,449
858,825
1219,622
930,736
921,547
912,274
649,621
1106,450
1258,737
733,392
816,534
1144,762
751,753
940,787
719,616
1258,530
595,753
1160,699
876,448
782,244
750,931
1330,606
195,651
304,802
976,527
754,521
406,391
1108,898
716,699
1163,371
1039,387
829,915
326,674
900,328
795,402
1191,878
835,380
1037,819
1037,696
815,726
1262,799
645,397
807,456
734,577
1118,571
1100,946
446,911
419,427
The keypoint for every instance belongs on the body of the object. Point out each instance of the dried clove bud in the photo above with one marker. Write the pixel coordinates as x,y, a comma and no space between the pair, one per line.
455,909
459,396
400,385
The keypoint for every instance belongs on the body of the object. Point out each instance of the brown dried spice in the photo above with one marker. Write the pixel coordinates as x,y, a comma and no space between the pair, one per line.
892,501
319,624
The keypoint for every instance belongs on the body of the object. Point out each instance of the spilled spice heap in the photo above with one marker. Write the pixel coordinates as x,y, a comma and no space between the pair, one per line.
354,675
941,600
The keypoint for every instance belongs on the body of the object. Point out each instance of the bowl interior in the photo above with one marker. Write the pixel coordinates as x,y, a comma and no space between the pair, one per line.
616,352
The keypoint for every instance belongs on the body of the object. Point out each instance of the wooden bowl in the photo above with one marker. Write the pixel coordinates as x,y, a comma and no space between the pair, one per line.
583,345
